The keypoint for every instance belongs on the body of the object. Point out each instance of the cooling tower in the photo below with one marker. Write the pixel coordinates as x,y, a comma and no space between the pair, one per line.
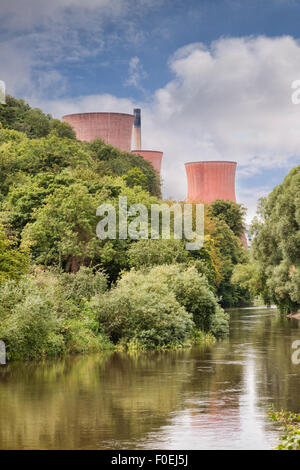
208,181
114,128
151,156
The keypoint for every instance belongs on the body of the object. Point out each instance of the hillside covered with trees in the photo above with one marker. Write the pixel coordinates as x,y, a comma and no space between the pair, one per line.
64,290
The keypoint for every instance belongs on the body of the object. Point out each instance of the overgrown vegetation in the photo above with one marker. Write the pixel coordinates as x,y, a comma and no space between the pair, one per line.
290,426
64,290
273,268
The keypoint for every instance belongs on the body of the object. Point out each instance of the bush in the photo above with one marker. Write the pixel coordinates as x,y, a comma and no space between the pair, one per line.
83,285
134,311
190,288
220,324
147,253
29,326
159,306
41,316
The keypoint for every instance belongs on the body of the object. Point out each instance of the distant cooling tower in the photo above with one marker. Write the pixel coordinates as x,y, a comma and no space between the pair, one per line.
114,128
208,181
152,156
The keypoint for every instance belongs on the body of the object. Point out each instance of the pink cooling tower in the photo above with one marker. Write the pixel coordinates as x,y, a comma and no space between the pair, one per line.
151,156
114,128
208,181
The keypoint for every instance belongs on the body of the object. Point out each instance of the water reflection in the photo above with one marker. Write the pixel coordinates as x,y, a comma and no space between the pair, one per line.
214,397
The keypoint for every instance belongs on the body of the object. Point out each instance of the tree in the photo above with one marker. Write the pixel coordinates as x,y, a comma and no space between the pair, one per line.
14,261
147,253
121,163
64,230
231,253
135,177
231,213
19,116
276,245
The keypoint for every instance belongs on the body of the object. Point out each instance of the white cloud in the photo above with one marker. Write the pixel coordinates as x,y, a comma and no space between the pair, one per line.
48,34
136,74
228,101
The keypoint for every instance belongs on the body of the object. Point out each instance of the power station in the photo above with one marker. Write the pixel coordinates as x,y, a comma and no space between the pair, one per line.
206,180
153,156
114,128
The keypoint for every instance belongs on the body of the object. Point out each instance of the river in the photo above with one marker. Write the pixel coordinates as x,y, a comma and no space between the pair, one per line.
199,398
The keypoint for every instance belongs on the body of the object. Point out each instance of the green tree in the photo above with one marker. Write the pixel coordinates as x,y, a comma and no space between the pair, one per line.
147,253
276,245
135,177
14,261
231,213
19,116
120,163
64,230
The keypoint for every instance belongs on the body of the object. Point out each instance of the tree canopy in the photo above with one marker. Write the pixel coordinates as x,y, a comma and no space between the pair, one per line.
276,245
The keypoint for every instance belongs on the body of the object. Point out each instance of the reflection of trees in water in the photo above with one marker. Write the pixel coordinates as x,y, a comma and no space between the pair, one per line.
278,376
115,399
270,339
89,401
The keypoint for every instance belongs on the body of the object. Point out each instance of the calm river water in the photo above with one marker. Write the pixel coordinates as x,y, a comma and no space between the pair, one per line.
211,398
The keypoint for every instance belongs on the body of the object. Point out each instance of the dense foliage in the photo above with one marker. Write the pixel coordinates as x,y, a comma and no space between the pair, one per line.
45,314
14,261
231,213
160,306
290,425
62,289
18,115
276,245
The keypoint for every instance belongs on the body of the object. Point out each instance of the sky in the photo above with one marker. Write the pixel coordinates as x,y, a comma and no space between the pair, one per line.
213,77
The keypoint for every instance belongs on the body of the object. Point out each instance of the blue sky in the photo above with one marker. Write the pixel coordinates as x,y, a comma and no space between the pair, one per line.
213,77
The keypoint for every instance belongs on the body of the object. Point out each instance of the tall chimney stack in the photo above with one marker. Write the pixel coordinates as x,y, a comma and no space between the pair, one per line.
137,129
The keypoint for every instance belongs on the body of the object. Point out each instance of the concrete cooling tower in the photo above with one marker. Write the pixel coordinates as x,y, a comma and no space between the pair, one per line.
114,128
208,181
153,156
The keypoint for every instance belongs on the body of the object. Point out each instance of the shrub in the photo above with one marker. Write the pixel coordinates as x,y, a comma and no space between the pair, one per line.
83,285
159,306
190,288
147,253
134,312
42,316
28,328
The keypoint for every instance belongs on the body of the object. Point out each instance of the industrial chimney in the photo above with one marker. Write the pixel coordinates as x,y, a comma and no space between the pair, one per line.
137,129
152,156
208,181
114,128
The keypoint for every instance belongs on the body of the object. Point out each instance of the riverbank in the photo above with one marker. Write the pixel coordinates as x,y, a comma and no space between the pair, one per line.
51,314
290,426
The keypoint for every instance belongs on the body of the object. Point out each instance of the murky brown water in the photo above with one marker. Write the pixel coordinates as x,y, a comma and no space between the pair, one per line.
209,398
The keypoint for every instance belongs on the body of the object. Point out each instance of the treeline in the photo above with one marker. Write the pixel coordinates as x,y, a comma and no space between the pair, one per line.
64,290
273,269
